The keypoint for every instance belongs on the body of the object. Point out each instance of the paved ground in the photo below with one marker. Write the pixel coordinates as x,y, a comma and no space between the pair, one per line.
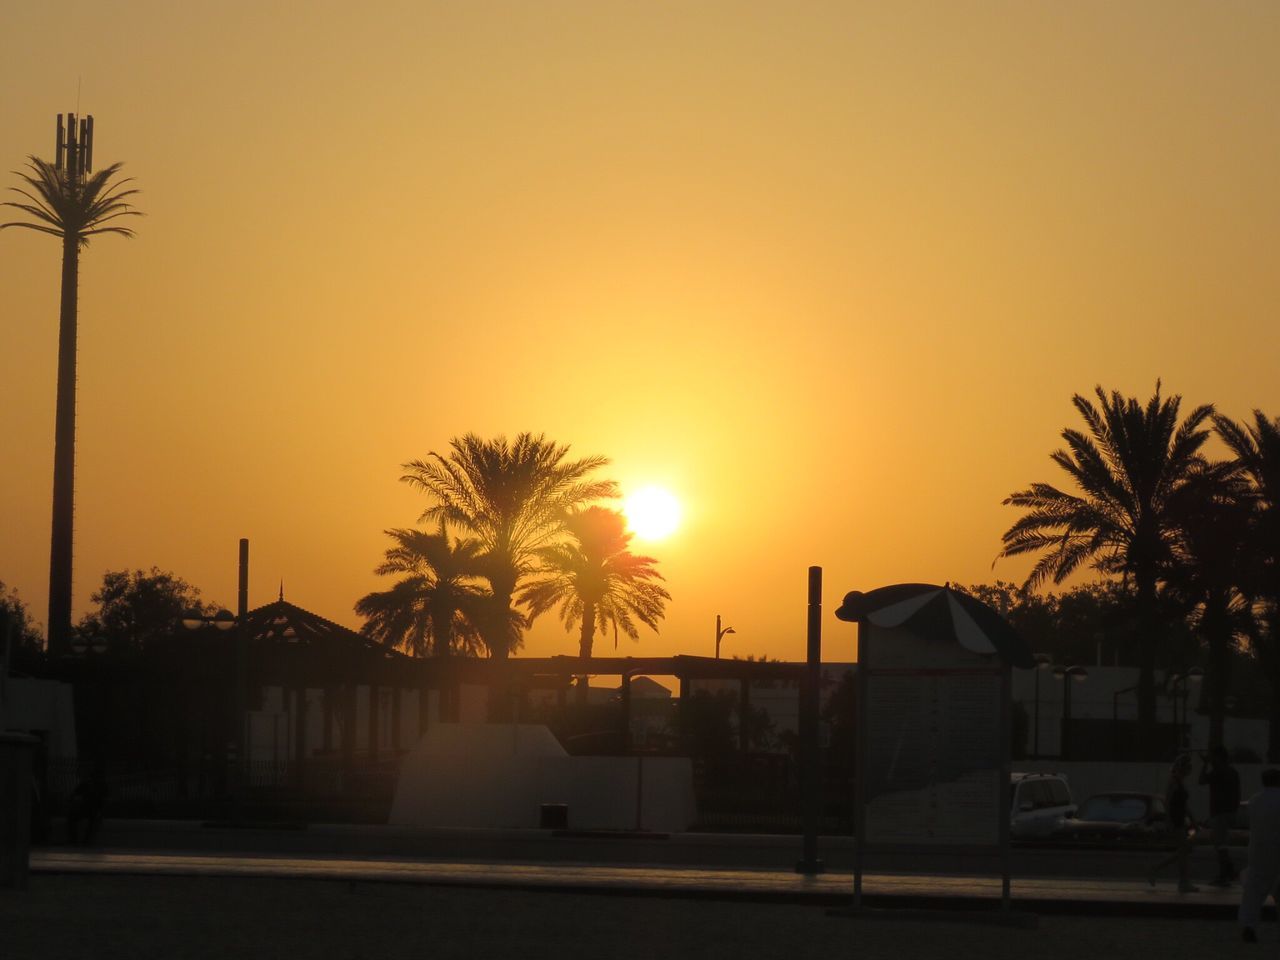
834,888
747,851
93,916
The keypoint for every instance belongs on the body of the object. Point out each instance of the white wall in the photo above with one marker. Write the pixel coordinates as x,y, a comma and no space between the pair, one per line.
1097,695
498,775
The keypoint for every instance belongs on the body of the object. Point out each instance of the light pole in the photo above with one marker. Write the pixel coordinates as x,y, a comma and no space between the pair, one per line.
1068,674
223,620
1043,661
721,634
1173,683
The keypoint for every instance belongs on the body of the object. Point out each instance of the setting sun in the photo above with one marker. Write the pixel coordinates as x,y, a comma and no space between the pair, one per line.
653,513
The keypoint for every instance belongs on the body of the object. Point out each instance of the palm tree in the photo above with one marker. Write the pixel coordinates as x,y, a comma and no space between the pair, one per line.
1134,468
436,606
1208,571
68,202
597,582
1257,450
513,497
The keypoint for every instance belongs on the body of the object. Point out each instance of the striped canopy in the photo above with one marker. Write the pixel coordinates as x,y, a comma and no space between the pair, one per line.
939,613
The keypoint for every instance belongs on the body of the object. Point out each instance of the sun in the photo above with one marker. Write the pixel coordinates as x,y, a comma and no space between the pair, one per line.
653,513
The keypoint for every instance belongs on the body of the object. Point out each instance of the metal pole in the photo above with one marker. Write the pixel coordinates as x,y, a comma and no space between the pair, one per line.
7,625
1064,748
242,641
1002,821
859,761
718,636
1115,725
809,862
1035,734
639,792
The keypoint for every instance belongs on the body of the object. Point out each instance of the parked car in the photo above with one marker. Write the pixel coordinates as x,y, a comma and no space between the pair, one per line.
1038,802
1116,819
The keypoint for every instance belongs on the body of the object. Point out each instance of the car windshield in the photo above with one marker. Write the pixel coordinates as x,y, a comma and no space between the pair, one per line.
1118,809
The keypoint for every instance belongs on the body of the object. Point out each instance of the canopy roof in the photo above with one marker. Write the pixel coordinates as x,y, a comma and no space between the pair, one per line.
939,614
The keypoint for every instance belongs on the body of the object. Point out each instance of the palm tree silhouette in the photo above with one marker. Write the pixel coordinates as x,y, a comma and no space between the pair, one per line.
69,202
513,497
434,609
1134,467
1257,450
1209,570
596,581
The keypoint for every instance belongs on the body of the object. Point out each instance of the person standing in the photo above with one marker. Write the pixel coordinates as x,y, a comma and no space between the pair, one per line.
1263,870
85,806
1224,800
1180,826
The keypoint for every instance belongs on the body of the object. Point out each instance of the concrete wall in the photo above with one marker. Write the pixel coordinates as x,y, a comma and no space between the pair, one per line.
602,792
498,776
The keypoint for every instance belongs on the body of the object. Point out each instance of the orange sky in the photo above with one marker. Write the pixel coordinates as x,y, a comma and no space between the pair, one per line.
831,272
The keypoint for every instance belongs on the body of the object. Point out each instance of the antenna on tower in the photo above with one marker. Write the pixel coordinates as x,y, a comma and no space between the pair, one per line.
74,149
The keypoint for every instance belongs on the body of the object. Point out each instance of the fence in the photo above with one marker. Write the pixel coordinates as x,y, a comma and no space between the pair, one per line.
323,786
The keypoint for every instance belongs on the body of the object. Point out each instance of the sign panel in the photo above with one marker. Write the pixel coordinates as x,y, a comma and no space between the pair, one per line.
933,766
934,759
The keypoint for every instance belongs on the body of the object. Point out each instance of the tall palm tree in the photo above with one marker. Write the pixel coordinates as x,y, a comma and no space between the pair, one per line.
1257,450
596,581
1208,570
513,497
68,202
1256,447
435,607
1133,468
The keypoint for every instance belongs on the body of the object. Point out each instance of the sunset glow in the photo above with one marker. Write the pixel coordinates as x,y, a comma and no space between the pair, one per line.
653,513
830,275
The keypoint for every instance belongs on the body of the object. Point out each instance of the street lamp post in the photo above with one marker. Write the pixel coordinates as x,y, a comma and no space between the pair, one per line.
1043,661
721,633
1068,674
224,620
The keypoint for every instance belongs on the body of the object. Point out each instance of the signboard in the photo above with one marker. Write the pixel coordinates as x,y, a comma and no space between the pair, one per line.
933,746
933,767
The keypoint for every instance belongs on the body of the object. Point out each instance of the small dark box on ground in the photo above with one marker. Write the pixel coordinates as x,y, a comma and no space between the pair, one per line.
553,816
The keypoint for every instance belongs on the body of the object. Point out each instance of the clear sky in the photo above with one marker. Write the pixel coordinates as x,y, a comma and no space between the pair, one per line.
828,271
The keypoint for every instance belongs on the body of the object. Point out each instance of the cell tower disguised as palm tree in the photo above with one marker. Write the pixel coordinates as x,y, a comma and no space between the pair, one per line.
68,200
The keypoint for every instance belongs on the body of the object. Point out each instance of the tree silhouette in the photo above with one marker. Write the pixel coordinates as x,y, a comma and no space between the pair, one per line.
1210,565
434,609
136,609
1133,467
596,581
65,200
1257,450
513,497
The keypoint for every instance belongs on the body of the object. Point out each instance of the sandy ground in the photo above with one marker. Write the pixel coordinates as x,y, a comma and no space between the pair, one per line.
93,917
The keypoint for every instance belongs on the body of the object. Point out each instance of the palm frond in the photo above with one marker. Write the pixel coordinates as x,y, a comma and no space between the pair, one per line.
70,207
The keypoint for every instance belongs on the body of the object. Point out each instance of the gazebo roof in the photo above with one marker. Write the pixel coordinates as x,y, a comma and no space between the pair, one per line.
284,625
